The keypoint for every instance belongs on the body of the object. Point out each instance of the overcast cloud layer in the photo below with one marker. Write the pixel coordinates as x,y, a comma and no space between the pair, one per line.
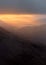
23,6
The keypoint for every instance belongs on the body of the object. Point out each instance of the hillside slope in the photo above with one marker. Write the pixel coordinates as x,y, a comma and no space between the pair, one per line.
17,51
35,34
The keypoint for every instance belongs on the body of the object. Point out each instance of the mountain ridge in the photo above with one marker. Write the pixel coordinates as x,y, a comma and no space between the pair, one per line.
33,33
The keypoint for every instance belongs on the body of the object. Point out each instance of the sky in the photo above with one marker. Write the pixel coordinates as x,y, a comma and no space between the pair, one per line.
22,12
23,6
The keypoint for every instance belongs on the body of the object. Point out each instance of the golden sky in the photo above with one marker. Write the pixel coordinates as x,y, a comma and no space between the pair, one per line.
20,20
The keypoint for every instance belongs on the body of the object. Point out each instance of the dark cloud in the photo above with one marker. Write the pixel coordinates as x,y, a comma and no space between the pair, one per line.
23,6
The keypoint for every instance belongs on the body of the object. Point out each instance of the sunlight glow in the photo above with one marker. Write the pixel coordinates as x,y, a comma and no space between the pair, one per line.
18,19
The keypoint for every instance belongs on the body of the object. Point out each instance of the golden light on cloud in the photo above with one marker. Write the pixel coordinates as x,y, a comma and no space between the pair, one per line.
18,20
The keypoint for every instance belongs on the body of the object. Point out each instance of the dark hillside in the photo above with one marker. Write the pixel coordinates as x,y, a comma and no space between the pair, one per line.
16,51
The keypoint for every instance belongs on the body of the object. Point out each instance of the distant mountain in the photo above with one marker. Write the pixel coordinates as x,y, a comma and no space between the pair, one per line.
35,34
7,26
3,24
42,20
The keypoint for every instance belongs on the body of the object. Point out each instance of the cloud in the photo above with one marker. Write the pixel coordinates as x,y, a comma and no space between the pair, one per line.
23,6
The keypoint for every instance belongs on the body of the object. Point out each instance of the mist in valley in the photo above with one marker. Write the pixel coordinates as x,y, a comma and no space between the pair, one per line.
35,33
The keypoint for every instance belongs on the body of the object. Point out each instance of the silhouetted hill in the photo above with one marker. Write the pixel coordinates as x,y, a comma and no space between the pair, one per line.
33,33
17,51
7,26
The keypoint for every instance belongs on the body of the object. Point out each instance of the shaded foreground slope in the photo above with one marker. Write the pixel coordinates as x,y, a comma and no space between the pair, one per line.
14,50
